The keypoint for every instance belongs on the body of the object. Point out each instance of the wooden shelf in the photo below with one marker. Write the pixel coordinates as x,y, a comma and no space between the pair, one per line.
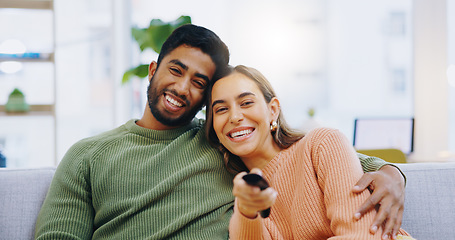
48,57
35,110
27,4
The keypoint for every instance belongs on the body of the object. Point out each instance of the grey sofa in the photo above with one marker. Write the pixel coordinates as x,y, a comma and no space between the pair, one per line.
429,207
22,192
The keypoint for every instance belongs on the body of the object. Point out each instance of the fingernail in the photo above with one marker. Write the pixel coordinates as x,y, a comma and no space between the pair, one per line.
374,228
385,236
357,216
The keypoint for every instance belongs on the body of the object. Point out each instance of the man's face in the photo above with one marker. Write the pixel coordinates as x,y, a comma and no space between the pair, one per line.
176,90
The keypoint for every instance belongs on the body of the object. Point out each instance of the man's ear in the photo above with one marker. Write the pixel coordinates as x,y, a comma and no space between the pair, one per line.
152,69
274,106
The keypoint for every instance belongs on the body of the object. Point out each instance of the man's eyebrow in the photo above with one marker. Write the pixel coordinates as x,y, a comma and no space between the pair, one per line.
238,97
176,61
185,67
202,76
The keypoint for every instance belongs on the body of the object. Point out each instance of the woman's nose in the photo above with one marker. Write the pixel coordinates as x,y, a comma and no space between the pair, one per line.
236,116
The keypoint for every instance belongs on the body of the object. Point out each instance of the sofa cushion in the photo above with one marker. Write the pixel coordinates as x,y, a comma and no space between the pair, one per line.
430,199
428,213
22,194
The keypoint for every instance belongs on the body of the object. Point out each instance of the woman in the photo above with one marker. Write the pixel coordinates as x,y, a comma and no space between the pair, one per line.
310,176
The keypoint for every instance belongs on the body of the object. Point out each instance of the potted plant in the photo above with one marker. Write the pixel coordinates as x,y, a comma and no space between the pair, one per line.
152,37
16,102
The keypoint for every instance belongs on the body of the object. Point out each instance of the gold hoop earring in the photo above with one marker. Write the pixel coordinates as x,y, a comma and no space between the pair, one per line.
273,126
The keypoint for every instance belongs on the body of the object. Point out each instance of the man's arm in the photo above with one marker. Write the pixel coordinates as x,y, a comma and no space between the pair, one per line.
373,164
387,183
67,211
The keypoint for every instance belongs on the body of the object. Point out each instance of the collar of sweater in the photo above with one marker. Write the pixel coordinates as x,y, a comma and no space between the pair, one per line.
162,134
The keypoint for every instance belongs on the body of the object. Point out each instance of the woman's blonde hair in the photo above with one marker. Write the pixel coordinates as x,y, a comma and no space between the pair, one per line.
284,136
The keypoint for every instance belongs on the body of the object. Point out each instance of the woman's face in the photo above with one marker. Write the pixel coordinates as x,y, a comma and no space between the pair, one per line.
241,117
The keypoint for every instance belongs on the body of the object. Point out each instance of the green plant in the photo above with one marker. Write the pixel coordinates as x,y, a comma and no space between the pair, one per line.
16,102
17,93
152,37
311,112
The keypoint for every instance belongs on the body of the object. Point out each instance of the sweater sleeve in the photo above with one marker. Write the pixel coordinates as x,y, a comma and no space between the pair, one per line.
241,227
67,211
338,169
371,164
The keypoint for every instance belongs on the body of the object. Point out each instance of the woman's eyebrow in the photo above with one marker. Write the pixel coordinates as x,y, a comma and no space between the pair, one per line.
238,97
245,94
217,102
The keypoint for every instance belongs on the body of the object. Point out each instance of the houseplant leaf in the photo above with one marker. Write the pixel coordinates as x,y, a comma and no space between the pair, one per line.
152,37
140,71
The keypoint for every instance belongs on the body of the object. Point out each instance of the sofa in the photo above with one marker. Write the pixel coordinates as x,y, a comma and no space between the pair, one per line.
429,205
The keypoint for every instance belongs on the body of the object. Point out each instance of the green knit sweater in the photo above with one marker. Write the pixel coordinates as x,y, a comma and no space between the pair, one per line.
138,183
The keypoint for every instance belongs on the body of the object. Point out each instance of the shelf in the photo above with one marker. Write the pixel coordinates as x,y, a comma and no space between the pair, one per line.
28,57
31,137
27,4
35,110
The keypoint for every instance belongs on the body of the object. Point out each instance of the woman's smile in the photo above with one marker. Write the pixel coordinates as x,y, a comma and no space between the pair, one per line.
240,134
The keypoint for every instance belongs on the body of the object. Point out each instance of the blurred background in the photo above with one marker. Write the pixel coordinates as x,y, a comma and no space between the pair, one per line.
330,61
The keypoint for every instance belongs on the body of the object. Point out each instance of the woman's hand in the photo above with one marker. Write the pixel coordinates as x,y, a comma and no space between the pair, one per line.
250,199
387,185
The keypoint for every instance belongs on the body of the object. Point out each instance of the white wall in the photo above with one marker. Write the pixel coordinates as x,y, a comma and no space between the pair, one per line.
451,58
430,79
334,55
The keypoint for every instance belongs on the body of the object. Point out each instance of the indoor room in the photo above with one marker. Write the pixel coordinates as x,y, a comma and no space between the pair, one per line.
381,72
331,62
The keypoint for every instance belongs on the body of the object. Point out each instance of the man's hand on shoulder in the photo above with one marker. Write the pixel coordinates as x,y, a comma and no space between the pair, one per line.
387,186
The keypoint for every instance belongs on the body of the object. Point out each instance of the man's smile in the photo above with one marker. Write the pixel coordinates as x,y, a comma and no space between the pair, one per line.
173,101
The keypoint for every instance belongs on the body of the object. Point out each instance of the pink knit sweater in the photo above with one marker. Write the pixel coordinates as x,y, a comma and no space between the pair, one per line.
313,178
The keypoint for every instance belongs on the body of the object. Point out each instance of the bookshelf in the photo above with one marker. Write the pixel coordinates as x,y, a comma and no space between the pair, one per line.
29,139
27,4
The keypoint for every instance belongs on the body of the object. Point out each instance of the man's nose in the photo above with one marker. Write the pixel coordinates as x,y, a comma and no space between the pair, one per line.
183,86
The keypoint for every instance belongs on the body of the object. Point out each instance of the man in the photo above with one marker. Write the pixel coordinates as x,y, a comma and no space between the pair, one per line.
157,177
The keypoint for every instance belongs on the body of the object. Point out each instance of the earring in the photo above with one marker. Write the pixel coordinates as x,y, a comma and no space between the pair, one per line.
273,126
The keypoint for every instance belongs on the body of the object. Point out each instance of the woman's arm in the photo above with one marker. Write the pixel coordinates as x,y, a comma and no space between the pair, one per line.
246,223
338,169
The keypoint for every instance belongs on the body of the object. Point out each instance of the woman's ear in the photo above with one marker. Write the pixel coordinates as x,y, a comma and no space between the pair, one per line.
152,69
274,106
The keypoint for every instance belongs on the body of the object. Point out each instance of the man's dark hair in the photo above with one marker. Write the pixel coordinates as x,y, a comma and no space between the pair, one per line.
198,37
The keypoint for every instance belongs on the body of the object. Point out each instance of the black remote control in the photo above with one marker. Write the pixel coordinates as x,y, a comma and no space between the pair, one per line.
258,181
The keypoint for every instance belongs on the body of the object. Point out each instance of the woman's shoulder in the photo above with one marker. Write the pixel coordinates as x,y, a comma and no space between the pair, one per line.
317,137
322,133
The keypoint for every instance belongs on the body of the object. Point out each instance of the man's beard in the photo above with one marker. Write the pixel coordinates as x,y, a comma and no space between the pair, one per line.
153,99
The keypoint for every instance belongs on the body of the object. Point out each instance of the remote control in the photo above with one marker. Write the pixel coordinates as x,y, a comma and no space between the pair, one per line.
258,181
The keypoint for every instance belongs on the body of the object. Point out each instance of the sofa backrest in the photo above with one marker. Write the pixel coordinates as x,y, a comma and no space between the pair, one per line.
429,210
429,204
22,192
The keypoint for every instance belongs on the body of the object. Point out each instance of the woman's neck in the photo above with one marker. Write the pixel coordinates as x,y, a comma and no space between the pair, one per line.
260,161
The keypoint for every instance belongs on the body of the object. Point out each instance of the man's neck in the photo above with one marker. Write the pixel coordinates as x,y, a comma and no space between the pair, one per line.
150,122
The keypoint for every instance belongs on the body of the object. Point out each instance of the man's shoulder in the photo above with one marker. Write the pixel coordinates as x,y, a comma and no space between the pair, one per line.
101,138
